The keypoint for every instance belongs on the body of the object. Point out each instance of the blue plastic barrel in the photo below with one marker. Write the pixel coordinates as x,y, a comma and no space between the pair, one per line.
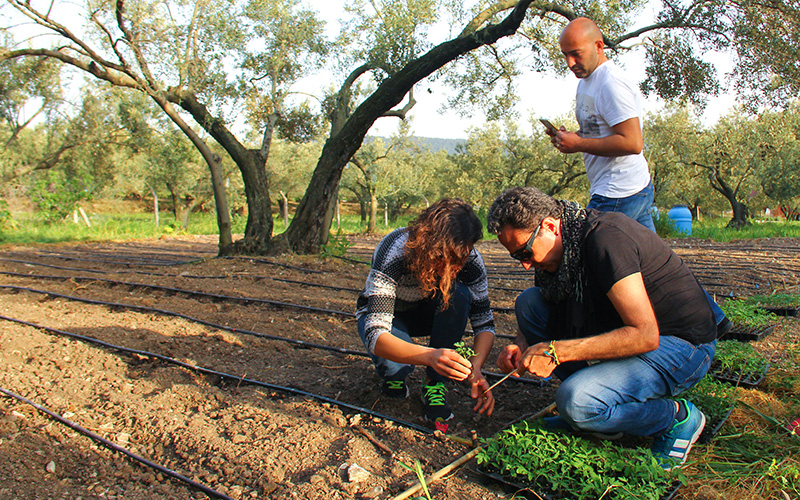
681,218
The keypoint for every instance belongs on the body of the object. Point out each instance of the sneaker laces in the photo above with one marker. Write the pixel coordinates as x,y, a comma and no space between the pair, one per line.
435,394
395,384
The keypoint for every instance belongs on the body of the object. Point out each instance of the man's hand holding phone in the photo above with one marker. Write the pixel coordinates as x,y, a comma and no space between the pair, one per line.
550,129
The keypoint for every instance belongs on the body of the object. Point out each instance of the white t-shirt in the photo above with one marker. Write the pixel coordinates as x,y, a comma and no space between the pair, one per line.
604,99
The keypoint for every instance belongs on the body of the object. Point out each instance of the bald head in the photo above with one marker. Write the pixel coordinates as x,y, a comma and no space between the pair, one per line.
582,44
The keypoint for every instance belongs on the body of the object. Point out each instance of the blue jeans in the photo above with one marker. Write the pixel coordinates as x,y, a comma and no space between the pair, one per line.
621,395
637,207
445,328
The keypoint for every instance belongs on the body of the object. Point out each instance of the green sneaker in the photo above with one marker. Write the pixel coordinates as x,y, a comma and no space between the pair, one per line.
435,402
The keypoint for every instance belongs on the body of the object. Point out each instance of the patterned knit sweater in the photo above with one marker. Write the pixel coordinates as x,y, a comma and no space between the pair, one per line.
392,287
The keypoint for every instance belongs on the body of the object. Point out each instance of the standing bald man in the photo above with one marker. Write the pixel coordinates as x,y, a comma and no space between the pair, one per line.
608,108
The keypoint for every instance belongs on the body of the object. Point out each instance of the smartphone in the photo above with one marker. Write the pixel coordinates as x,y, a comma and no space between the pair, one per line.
549,126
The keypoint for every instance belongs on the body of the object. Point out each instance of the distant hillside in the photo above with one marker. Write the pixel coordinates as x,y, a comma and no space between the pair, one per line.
433,143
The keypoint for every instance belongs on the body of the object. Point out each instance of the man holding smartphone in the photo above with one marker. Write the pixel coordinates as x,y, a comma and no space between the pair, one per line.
608,108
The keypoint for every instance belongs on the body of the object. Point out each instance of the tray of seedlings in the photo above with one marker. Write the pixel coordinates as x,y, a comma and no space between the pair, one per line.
780,304
750,322
739,364
553,464
716,400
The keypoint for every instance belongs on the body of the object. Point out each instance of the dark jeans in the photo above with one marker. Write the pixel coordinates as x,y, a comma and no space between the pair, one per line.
445,328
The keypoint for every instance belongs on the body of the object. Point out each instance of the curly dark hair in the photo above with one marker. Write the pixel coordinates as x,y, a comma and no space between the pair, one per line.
521,208
439,244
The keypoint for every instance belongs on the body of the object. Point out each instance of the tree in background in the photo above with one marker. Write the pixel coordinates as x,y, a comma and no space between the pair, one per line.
499,156
387,42
779,158
672,141
177,54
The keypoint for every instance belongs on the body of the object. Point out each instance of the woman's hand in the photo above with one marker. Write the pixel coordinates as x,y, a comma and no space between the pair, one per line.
485,400
449,363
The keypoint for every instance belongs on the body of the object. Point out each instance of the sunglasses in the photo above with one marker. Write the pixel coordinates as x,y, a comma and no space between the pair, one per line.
525,252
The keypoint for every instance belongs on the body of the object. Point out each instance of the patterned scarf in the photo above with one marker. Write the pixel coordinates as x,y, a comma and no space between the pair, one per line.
567,281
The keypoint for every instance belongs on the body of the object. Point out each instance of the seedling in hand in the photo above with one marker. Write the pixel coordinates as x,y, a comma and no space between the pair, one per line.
464,350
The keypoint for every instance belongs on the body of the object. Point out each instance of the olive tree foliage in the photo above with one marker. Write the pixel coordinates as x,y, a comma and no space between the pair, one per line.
687,160
489,45
779,158
766,41
394,171
500,155
672,141
179,55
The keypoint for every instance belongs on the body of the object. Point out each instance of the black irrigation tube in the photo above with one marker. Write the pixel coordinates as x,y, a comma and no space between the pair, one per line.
300,343
63,257
108,444
140,257
165,312
272,263
213,296
172,275
222,375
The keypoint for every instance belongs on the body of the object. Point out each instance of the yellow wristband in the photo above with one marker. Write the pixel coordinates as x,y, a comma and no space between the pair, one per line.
551,351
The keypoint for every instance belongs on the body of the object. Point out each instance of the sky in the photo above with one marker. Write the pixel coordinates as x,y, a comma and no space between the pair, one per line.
545,95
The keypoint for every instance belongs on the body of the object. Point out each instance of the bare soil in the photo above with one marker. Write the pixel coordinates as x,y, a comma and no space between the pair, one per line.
241,433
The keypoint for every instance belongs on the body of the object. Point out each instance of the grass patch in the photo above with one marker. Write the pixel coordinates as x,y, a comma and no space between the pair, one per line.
714,229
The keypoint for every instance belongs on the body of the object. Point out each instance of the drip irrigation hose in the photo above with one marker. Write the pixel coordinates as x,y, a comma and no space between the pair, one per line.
165,312
222,375
64,257
214,296
190,276
272,263
115,447
301,343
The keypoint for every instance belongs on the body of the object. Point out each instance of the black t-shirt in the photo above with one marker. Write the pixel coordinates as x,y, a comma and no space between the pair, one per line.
616,246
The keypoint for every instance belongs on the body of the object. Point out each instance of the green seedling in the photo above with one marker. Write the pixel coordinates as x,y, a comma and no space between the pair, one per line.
574,467
746,314
776,300
714,398
464,350
417,469
740,358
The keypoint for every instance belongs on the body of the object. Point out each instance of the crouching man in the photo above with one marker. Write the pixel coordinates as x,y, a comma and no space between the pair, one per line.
616,315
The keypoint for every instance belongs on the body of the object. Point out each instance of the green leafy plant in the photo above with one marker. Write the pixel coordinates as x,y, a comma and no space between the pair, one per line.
336,246
745,314
574,467
56,196
776,300
715,399
464,350
738,357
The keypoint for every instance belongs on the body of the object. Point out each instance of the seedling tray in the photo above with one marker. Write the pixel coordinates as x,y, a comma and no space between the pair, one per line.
744,334
713,426
733,377
537,492
782,311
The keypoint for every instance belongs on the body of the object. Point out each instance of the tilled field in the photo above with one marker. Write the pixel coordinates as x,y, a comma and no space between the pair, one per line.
273,394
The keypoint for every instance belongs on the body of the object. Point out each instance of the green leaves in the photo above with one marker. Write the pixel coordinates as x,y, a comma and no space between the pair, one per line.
744,313
574,467
739,357
464,350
